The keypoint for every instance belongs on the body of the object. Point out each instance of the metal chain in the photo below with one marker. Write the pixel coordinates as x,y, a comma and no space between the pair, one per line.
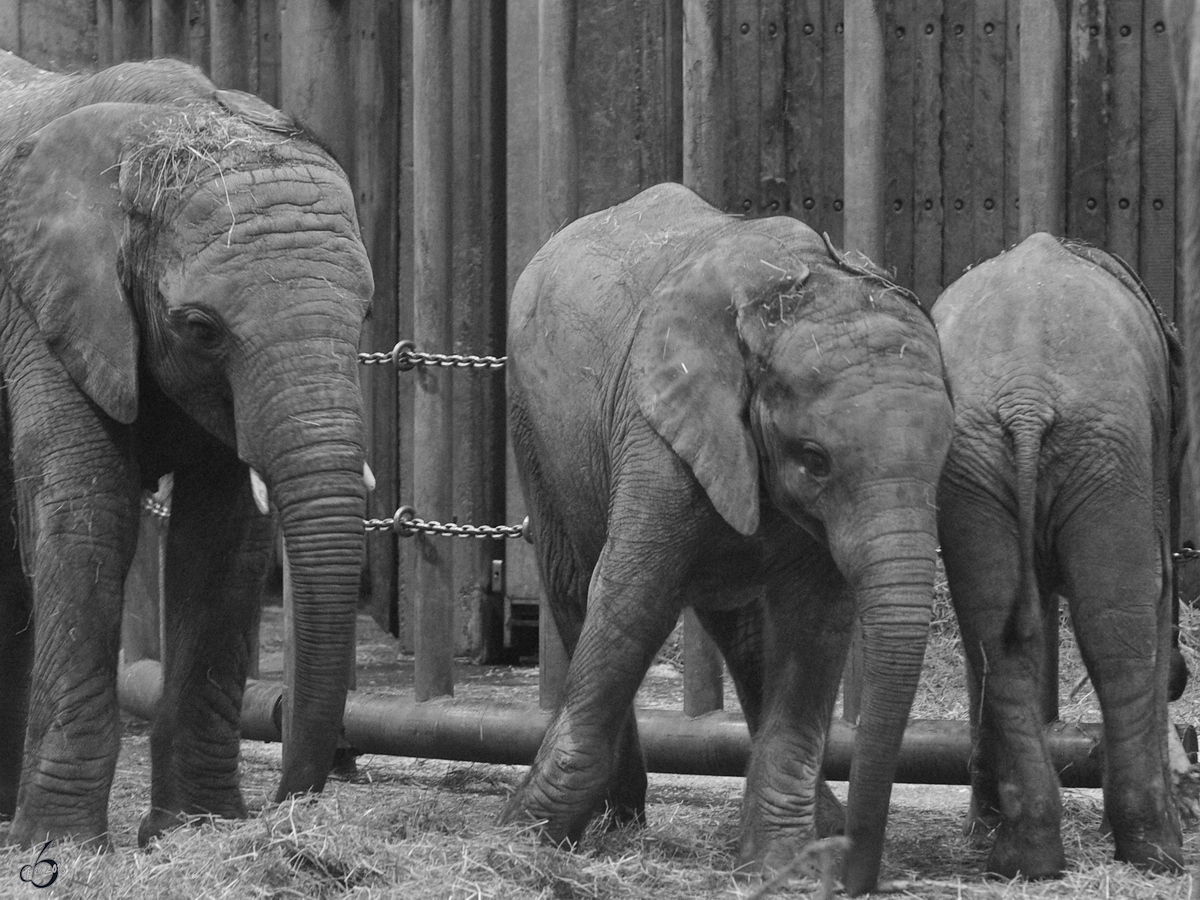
405,356
1187,554
155,508
406,524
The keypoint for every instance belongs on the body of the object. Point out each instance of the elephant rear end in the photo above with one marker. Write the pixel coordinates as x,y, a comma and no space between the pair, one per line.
1058,482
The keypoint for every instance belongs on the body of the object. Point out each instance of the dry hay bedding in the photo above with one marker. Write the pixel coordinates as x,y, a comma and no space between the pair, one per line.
414,829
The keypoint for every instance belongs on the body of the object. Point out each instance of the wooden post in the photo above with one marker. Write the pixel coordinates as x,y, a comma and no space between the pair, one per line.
703,172
477,297
1042,166
1042,158
865,93
863,69
130,30
703,669
169,27
10,25
703,101
231,34
376,43
433,487
316,77
558,205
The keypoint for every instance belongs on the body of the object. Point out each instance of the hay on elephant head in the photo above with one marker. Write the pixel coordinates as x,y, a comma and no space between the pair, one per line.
190,146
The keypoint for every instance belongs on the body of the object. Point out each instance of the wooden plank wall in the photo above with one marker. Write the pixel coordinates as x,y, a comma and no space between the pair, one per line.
950,156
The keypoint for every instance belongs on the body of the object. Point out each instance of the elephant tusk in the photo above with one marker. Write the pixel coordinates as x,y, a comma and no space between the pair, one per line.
368,476
259,489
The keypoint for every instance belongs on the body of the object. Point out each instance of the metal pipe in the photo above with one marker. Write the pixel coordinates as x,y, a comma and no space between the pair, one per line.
718,743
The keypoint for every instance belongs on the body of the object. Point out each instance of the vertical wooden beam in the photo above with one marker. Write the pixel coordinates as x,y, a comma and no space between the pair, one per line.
1157,244
1088,123
865,92
703,101
267,85
104,32
316,75
743,175
375,40
807,149
130,30
927,152
703,171
433,488
231,34
900,40
1042,186
10,25
1042,156
772,104
169,28
558,205
1125,152
522,583
703,669
478,315
833,116
958,128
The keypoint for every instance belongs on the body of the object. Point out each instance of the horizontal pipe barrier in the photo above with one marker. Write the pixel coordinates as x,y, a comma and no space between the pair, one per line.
717,743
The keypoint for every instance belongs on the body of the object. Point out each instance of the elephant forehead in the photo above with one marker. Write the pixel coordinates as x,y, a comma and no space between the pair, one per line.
284,193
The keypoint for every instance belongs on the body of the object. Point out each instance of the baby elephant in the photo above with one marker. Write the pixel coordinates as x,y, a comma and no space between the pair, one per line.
726,414
1059,481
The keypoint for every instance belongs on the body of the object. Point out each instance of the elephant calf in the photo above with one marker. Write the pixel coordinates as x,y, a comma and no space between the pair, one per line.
1059,481
726,414
182,290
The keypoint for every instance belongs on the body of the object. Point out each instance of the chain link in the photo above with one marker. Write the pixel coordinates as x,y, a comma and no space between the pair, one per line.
156,508
1187,554
405,356
406,523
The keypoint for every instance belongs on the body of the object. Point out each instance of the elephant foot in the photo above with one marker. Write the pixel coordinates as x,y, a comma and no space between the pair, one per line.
156,823
980,825
27,831
1163,856
1025,853
558,830
161,819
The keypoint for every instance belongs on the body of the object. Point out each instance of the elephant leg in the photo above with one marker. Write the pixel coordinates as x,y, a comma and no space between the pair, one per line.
806,625
1014,788
564,571
632,605
1121,611
78,502
16,642
218,549
738,635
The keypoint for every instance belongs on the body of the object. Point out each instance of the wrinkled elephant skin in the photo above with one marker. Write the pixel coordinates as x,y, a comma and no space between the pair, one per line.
183,289
726,414
1058,481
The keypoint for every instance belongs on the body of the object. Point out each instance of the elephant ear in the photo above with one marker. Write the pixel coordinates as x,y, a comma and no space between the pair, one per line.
690,373
60,243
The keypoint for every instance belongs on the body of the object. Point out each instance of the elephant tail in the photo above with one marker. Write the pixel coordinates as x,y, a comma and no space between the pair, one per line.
1025,622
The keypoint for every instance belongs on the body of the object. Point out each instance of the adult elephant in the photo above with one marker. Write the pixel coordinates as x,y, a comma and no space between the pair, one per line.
726,414
183,291
1060,480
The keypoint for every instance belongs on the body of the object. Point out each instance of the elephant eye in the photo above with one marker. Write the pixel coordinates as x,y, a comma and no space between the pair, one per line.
811,456
201,327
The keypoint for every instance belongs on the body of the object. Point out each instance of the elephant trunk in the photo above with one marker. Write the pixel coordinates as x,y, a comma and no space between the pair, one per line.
311,458
891,571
